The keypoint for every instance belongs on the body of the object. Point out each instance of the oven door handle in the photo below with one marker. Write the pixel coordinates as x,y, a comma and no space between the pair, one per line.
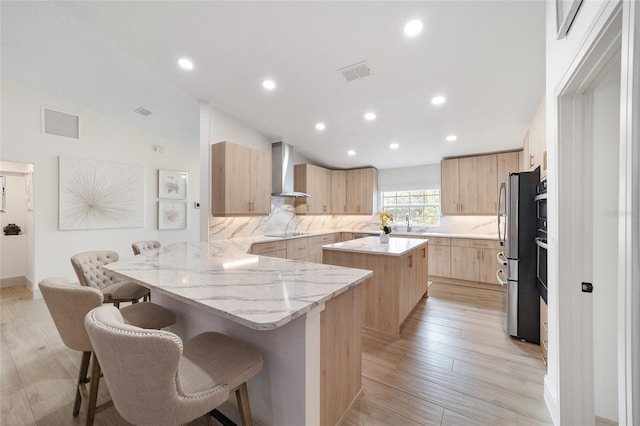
502,259
501,281
541,243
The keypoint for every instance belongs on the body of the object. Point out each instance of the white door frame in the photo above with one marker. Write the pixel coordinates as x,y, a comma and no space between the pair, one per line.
575,380
629,232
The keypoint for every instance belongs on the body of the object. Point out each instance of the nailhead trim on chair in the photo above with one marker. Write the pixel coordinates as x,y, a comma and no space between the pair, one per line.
165,335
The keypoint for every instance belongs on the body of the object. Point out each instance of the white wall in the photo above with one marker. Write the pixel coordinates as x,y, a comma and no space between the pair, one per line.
101,137
409,178
605,175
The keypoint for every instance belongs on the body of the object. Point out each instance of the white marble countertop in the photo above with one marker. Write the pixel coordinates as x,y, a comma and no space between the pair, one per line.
372,245
259,292
402,234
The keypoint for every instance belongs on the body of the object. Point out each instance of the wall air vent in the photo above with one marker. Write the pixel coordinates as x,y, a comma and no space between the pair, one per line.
142,111
356,71
60,123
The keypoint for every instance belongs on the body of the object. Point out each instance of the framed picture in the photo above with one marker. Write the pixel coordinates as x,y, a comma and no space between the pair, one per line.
172,215
172,185
566,11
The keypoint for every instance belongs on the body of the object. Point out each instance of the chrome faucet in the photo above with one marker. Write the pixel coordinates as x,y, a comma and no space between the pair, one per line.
408,223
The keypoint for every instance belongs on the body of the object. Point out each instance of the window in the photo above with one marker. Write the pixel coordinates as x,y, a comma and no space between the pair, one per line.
423,207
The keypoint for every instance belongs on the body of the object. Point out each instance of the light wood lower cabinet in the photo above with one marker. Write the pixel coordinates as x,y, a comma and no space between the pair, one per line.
463,259
271,249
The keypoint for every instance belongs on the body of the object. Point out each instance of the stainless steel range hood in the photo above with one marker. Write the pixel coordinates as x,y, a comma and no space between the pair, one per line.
282,171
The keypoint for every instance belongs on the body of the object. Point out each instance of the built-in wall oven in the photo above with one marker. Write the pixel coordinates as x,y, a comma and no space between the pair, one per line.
541,238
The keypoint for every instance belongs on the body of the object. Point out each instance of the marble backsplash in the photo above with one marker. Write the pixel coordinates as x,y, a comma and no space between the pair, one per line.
284,220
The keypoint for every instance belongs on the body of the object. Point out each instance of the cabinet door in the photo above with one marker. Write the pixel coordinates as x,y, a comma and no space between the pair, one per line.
487,183
488,265
260,182
423,271
231,180
324,177
439,261
507,163
360,190
468,178
450,193
465,263
338,191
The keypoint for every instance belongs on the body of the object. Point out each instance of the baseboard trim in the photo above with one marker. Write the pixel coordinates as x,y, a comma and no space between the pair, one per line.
463,283
551,400
606,421
14,281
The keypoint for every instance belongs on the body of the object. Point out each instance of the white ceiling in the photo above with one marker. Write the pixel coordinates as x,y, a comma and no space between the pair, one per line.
486,57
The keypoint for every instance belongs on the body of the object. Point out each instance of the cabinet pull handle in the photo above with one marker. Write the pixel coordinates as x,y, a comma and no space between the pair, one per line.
410,261
424,252
249,206
530,160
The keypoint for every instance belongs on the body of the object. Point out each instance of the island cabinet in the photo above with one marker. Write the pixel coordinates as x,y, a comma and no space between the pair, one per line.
240,181
315,181
399,278
362,191
338,191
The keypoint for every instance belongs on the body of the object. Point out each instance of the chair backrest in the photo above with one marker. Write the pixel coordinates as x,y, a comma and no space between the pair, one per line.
141,370
140,247
68,304
88,267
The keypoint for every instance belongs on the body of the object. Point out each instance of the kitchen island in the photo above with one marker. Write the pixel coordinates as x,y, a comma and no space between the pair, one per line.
399,277
304,318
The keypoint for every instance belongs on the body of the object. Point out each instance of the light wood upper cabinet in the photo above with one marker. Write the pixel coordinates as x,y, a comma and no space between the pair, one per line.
241,180
470,184
487,184
535,142
362,190
315,181
338,191
450,192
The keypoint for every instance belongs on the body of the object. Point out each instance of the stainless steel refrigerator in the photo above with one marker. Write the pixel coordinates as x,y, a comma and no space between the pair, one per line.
517,227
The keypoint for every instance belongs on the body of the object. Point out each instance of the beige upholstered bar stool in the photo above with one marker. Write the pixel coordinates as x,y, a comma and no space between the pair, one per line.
155,379
68,304
140,247
90,272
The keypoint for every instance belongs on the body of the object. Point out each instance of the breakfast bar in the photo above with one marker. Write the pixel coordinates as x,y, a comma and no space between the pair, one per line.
304,318
399,277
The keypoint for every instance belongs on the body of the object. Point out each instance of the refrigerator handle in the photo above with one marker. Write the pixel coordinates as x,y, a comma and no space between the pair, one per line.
503,187
500,280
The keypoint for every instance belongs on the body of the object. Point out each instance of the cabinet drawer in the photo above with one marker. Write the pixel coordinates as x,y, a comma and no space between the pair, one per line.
439,241
327,239
271,246
298,248
467,242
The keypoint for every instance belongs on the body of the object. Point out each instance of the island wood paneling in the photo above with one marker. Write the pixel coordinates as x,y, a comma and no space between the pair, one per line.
341,355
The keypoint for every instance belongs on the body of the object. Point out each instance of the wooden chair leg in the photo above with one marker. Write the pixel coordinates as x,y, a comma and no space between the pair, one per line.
93,392
243,404
82,379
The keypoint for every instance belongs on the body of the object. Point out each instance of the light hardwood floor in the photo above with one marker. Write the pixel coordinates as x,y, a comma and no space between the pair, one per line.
453,365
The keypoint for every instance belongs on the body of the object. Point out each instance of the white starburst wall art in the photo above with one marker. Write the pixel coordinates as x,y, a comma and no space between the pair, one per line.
98,194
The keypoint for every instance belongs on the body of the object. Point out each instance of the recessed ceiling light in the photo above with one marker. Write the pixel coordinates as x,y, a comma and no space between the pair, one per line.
452,138
185,64
370,116
320,126
413,27
269,84
351,152
438,100
394,146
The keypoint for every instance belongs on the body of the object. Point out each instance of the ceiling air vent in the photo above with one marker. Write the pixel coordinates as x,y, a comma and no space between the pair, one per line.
356,71
142,111
59,123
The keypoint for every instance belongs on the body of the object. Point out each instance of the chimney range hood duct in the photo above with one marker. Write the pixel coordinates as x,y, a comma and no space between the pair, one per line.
282,171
